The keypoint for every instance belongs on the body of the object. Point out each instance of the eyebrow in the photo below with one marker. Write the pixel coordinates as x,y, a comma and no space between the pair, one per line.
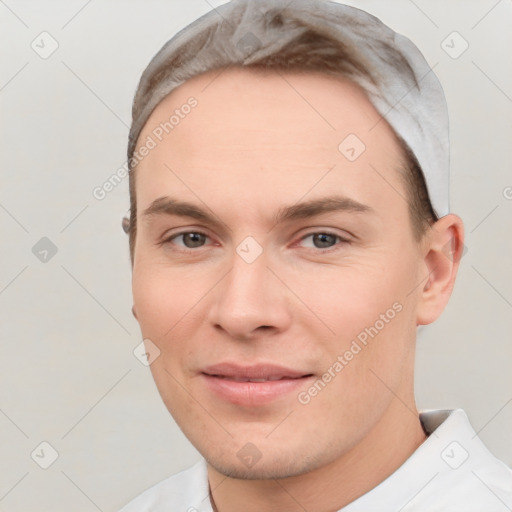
169,206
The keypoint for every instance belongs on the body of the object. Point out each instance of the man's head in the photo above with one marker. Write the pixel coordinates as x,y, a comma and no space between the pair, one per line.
279,232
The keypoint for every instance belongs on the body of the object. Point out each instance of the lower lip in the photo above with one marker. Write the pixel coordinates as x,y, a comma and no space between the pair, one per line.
254,393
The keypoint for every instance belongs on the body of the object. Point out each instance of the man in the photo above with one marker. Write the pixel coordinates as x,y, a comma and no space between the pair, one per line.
289,230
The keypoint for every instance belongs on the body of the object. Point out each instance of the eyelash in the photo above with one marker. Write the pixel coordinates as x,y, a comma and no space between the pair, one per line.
327,250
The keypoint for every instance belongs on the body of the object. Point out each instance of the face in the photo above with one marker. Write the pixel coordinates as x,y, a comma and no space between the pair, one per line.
281,298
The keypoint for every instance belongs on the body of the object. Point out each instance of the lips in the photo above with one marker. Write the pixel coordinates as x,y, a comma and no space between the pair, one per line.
247,379
253,385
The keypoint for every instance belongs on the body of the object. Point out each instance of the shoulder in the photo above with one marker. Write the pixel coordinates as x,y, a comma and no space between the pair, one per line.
466,476
452,471
186,491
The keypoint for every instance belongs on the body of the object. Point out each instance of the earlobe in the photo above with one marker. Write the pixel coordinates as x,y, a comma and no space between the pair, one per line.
443,253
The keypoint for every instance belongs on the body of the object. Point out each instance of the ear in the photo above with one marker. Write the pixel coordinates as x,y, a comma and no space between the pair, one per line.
444,245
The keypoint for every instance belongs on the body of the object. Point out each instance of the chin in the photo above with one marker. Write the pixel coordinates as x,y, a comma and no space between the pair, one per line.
282,467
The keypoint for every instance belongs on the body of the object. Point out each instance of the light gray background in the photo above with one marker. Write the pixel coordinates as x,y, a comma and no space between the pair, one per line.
68,373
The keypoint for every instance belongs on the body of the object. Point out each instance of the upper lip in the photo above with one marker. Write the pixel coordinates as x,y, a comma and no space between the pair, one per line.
256,371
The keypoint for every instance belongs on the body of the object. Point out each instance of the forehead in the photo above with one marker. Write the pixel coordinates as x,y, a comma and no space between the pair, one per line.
241,100
261,132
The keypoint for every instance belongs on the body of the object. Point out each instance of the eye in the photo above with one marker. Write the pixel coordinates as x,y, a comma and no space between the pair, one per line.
195,239
190,239
324,240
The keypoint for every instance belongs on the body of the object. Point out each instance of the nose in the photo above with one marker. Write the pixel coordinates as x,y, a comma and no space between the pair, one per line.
250,301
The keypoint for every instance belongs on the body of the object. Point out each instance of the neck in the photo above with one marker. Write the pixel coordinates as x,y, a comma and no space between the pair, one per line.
329,488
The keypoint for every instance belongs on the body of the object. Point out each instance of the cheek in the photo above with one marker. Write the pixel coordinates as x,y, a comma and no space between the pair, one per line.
150,302
164,305
371,311
161,299
351,299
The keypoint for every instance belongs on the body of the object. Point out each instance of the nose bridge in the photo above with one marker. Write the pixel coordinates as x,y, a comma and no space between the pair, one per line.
249,296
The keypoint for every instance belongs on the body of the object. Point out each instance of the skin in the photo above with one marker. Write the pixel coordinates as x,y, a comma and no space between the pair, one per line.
255,143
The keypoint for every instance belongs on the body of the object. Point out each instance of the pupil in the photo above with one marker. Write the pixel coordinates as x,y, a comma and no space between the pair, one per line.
194,238
324,238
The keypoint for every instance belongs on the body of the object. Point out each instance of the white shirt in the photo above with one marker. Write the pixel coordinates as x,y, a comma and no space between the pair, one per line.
451,471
